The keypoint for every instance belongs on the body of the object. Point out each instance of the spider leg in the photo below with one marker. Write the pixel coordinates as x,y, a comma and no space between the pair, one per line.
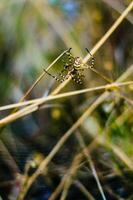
92,58
70,56
55,77
62,75
66,65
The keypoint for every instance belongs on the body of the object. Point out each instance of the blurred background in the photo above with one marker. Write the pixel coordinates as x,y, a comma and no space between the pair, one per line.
32,34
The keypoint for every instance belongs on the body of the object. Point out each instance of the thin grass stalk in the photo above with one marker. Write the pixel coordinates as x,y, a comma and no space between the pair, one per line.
119,7
110,31
70,176
83,190
91,165
113,86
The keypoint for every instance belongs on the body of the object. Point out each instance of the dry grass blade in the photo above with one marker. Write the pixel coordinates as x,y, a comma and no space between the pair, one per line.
120,154
58,189
119,7
42,100
91,165
27,110
110,31
123,117
83,190
69,178
130,101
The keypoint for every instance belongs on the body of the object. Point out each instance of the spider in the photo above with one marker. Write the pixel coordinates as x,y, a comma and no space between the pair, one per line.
73,68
